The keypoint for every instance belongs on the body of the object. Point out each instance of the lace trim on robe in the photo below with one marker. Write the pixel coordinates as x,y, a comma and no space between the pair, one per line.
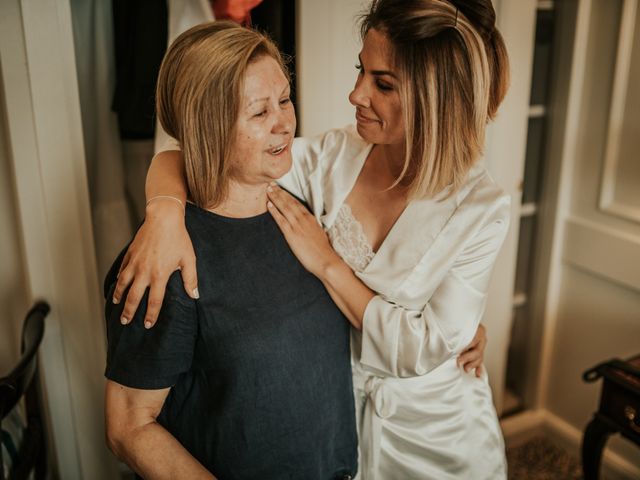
349,241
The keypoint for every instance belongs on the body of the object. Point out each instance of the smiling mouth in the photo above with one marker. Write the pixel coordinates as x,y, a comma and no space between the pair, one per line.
279,149
361,118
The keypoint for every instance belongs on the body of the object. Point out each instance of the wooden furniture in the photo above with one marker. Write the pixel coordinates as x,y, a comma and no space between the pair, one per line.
21,382
619,410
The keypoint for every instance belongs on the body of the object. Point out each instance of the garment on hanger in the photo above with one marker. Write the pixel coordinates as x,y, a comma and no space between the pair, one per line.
140,38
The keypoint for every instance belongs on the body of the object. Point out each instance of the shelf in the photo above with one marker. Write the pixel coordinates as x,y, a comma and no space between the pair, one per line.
512,403
519,299
545,5
528,209
537,111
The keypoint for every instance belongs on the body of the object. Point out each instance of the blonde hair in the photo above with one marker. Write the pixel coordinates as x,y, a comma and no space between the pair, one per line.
198,97
454,73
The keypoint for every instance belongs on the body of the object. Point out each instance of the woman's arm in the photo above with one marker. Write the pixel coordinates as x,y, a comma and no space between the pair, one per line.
134,435
162,245
398,341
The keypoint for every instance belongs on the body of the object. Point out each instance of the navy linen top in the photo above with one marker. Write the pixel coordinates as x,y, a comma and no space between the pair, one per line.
259,366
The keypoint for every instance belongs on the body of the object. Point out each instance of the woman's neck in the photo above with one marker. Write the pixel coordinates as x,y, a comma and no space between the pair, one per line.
388,161
243,201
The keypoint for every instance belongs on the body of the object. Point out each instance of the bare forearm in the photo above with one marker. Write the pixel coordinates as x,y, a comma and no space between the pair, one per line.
347,291
153,453
166,176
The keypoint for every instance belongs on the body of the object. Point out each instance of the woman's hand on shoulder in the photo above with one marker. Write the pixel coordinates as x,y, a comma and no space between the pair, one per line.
161,246
306,238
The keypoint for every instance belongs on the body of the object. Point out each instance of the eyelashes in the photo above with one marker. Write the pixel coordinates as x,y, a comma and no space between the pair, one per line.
382,86
283,102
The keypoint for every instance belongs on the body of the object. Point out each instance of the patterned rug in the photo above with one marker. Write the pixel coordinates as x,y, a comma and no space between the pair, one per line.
539,459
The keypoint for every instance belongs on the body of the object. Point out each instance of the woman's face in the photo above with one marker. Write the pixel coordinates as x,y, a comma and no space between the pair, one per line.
376,93
265,127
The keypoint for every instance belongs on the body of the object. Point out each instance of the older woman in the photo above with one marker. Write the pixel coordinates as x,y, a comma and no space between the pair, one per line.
253,380
414,226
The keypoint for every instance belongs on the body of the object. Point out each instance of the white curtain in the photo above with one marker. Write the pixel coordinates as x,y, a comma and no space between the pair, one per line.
95,63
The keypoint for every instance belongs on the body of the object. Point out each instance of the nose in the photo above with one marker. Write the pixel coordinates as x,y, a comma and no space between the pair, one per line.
285,123
359,96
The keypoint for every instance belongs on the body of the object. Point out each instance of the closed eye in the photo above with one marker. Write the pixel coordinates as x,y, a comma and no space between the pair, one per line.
384,86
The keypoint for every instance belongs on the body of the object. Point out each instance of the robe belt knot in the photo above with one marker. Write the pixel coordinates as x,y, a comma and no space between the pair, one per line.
381,397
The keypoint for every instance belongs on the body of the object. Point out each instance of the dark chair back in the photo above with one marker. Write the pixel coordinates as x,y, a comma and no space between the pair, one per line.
20,382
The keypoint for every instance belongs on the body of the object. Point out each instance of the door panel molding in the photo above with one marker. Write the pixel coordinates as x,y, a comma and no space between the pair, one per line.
611,201
600,250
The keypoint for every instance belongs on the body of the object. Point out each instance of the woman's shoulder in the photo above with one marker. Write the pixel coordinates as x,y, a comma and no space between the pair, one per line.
485,192
478,201
482,203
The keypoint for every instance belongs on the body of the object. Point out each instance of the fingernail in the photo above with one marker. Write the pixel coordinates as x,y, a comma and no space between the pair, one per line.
124,320
273,184
115,300
269,204
195,293
147,324
269,189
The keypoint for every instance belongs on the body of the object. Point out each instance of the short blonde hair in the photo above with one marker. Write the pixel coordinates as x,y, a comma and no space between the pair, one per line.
198,97
454,73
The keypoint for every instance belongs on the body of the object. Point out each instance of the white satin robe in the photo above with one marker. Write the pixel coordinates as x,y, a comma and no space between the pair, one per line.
419,415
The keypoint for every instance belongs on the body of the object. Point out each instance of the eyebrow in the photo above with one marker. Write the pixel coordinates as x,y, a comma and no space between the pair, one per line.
264,99
379,72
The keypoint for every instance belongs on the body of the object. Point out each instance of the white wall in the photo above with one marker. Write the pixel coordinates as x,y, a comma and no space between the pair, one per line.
328,46
13,296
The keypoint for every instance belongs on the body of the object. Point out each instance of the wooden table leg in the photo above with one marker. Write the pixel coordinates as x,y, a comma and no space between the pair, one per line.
595,436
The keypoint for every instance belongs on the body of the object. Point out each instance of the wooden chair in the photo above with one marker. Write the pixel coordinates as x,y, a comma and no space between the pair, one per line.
23,381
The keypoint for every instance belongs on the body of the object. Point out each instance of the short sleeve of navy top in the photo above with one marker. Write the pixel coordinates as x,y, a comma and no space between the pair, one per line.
259,366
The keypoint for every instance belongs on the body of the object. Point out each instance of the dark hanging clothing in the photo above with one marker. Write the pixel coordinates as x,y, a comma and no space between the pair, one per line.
140,35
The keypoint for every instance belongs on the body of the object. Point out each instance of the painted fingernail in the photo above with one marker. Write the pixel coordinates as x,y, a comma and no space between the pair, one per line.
147,324
124,320
195,293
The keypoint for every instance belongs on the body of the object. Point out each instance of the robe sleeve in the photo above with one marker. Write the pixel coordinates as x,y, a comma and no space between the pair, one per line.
402,342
